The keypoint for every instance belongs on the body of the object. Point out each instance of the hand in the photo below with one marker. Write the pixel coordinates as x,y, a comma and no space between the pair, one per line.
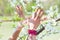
20,11
34,21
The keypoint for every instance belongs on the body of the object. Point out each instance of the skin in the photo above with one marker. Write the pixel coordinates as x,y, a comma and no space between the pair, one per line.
32,21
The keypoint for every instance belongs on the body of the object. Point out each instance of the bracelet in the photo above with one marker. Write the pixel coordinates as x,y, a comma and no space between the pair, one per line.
32,32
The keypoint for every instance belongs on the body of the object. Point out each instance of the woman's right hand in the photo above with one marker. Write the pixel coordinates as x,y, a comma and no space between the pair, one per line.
34,21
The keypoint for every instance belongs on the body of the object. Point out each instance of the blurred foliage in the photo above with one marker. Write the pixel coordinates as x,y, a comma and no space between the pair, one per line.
0,23
23,38
13,18
51,8
30,5
5,8
16,18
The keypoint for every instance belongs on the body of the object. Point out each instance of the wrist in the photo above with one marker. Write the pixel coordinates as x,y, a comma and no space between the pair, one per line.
20,24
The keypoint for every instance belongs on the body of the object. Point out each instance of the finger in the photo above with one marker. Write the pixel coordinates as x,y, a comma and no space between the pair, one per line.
19,7
39,14
20,11
34,15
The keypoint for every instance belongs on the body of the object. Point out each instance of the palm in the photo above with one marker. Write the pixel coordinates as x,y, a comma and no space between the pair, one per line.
34,21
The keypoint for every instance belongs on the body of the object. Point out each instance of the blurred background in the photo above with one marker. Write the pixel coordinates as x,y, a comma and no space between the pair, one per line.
9,18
